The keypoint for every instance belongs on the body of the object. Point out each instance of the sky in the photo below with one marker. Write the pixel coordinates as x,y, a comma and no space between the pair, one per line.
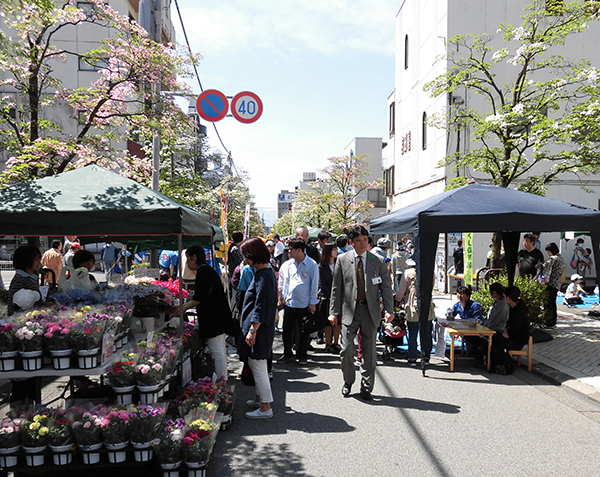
323,71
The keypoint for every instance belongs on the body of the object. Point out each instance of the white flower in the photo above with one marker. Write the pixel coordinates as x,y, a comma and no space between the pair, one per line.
497,56
519,108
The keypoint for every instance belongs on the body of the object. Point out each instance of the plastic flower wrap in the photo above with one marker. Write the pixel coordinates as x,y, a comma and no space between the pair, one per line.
58,334
30,328
87,427
60,433
225,397
172,348
34,430
115,425
193,409
122,373
88,328
150,369
150,301
173,287
7,336
199,440
197,396
75,298
10,432
168,445
143,281
120,314
144,422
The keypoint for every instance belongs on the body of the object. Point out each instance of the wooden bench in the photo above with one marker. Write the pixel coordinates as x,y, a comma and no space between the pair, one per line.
526,351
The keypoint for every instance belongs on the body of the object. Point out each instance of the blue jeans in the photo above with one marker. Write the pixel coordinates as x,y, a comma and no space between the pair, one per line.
413,330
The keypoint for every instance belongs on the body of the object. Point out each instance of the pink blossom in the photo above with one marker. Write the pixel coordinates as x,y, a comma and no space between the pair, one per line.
87,425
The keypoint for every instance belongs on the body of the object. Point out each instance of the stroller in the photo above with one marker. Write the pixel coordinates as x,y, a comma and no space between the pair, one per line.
392,334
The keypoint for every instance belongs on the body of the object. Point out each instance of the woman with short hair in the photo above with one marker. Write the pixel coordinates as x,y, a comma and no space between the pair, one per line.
553,271
258,325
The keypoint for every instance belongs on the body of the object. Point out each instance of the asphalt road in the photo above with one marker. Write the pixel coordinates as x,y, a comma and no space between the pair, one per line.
464,423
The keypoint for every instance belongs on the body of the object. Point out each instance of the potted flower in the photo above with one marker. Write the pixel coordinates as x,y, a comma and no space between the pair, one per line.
144,424
60,439
8,347
149,374
34,437
87,430
149,303
198,442
29,339
122,377
10,441
115,430
87,336
58,342
168,446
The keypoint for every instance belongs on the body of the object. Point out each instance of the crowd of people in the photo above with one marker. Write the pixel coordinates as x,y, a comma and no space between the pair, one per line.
337,291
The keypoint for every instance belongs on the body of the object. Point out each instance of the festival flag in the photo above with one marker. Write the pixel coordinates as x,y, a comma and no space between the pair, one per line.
468,257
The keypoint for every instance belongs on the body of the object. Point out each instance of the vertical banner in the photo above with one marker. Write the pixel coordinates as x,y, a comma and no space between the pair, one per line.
468,257
224,222
247,222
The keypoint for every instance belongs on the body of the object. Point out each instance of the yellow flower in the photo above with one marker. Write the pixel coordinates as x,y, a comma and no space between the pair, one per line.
34,426
86,308
38,418
43,431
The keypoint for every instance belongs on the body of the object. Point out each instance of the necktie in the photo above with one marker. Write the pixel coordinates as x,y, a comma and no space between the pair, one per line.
361,295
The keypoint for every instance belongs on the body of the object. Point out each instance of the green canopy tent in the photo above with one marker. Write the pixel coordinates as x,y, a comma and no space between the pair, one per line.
98,205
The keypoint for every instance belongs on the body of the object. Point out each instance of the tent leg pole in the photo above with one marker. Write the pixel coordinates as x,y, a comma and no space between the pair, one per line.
180,250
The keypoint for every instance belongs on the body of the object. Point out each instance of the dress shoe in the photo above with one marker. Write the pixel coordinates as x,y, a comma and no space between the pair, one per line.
302,361
346,389
286,358
366,395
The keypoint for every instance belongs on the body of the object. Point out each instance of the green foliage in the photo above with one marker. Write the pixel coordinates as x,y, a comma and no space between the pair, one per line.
456,183
532,293
542,113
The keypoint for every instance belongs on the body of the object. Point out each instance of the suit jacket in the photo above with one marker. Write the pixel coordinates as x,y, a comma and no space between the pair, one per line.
343,291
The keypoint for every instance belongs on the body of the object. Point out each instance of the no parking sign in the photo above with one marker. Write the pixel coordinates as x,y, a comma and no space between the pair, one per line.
212,105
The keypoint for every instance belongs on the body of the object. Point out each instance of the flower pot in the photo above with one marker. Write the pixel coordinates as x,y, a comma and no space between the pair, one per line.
7,360
142,451
170,466
89,456
124,394
197,473
88,358
35,455
61,449
61,358
62,459
148,398
32,360
8,456
196,465
8,461
125,340
116,452
226,422
171,473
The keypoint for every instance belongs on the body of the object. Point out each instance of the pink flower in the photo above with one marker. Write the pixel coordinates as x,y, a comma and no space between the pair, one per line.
48,334
87,425
157,367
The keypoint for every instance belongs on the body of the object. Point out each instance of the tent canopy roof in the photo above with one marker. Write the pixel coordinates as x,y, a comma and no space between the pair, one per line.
93,201
487,208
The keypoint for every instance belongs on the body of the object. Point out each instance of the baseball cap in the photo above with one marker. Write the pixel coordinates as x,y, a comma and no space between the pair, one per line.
75,245
383,242
576,276
270,243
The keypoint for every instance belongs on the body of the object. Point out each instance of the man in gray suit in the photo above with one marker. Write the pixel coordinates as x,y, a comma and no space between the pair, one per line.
359,279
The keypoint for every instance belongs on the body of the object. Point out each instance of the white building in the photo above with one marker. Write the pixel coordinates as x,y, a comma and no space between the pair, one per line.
372,148
423,28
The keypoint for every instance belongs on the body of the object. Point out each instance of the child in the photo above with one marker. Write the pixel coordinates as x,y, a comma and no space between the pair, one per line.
587,262
574,291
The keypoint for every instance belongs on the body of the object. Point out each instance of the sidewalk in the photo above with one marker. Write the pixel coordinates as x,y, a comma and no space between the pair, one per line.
572,358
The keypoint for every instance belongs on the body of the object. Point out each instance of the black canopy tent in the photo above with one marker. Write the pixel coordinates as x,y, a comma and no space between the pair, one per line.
482,208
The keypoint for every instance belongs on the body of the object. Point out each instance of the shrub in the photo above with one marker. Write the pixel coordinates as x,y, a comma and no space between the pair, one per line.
532,293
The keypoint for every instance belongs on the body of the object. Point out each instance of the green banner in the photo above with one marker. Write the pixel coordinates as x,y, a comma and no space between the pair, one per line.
468,257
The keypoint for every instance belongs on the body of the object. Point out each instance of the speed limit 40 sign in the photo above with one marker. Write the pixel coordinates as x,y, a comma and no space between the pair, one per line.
246,107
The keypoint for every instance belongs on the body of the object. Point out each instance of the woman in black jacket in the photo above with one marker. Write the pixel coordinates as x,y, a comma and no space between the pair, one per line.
326,267
211,305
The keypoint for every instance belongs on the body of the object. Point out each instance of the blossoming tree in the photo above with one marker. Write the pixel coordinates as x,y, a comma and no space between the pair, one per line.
120,101
541,122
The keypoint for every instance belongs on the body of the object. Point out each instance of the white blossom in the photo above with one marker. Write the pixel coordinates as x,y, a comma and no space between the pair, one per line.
519,108
497,56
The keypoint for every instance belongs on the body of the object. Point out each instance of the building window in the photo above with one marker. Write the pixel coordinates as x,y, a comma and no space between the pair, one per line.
424,129
376,197
92,64
405,51
388,176
392,119
12,113
555,7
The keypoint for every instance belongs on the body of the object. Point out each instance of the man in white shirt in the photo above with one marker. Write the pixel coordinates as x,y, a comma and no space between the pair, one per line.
278,253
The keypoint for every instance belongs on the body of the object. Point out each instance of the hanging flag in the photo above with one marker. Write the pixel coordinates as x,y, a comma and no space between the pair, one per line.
247,222
468,257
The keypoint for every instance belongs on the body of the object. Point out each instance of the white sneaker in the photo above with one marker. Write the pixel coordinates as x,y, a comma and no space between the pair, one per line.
252,403
258,414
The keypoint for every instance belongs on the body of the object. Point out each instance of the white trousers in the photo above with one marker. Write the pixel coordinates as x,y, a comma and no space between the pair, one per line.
261,379
218,351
